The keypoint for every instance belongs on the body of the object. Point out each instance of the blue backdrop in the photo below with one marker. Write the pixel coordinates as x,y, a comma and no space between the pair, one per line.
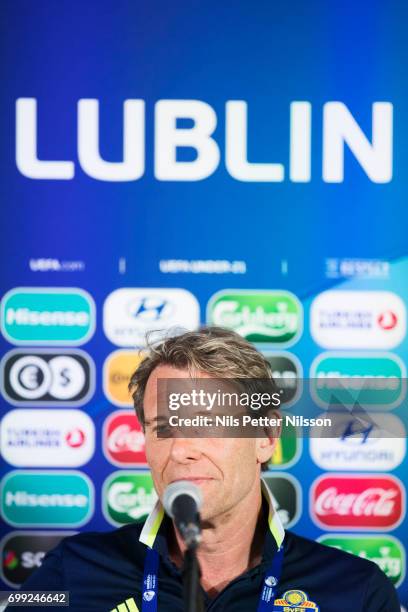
304,236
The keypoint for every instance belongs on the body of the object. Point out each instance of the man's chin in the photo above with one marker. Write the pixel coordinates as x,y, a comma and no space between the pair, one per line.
209,512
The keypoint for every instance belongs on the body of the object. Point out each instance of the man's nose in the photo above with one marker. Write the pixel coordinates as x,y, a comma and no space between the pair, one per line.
184,450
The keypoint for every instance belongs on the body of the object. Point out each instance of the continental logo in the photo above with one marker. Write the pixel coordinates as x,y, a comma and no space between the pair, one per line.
263,317
117,370
34,315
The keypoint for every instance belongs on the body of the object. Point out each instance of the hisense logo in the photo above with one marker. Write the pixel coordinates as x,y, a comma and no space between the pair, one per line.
340,130
47,315
24,316
56,498
25,499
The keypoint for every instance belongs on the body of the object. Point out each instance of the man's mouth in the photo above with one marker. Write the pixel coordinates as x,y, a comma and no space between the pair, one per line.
194,479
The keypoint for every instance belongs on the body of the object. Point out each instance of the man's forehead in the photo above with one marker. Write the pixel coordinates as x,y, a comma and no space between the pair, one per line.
168,371
190,395
163,372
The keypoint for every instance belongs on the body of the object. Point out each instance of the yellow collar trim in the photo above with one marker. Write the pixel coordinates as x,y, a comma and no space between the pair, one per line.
274,522
152,525
155,518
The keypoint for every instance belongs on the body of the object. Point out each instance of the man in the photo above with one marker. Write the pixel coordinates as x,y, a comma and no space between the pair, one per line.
245,554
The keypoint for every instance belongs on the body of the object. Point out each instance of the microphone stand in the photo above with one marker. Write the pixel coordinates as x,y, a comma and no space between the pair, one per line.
193,598
191,574
182,500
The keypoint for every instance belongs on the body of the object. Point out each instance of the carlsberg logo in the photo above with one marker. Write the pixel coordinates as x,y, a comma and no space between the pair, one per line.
264,317
384,550
123,498
128,496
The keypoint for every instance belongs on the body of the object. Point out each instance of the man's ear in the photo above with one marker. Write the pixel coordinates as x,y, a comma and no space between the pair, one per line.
266,444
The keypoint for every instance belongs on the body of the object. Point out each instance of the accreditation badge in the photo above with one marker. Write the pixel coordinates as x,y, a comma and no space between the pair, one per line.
294,601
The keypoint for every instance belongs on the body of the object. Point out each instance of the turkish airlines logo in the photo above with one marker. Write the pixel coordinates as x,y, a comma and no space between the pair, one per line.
357,502
47,437
75,438
387,320
358,319
44,376
123,440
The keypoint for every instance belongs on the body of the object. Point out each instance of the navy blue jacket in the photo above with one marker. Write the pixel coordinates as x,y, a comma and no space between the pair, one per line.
104,572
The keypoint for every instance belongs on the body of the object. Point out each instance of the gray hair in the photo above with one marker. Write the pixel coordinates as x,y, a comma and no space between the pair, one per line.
214,350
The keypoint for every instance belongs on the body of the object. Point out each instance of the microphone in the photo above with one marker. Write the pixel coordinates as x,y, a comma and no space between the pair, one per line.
182,501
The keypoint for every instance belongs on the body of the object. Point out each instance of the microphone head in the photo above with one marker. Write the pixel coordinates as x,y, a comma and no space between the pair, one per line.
181,487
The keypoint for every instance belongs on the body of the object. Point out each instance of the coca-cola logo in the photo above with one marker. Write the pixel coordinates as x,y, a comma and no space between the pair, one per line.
360,502
123,440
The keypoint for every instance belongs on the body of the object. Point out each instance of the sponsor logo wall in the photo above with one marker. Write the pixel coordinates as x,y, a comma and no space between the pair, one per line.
384,550
22,553
47,377
269,199
69,463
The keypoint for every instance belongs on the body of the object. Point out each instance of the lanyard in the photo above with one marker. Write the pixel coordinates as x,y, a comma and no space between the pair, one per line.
271,582
150,579
269,586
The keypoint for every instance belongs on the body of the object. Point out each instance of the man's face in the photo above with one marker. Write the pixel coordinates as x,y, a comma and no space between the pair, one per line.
226,469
